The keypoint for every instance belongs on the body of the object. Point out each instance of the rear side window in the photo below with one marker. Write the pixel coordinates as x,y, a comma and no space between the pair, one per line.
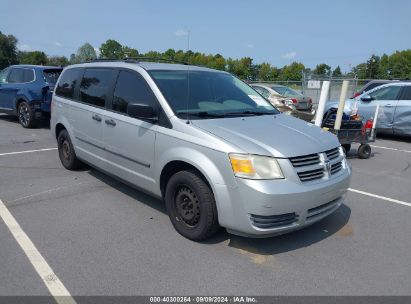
51,75
16,76
28,75
95,86
374,85
406,94
386,93
67,83
131,88
3,75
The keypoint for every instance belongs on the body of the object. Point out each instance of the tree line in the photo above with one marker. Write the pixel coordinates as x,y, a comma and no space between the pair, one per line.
394,66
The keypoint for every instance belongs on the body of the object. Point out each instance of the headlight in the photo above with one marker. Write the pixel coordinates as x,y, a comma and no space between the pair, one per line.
255,166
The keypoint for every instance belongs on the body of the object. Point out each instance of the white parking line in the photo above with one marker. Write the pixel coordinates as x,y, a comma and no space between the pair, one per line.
388,148
50,279
27,151
380,197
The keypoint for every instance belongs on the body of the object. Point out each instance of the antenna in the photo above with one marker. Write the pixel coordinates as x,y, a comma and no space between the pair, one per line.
188,78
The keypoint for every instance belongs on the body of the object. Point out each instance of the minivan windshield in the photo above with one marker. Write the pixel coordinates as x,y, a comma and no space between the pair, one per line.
209,94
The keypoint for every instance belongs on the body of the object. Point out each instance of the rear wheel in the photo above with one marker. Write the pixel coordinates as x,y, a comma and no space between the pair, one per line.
364,151
66,151
25,115
191,206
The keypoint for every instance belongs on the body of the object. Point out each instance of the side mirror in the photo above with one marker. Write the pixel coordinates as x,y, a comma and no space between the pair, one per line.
141,111
367,98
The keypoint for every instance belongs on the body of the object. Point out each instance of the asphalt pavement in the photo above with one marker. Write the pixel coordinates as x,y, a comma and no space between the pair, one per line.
102,237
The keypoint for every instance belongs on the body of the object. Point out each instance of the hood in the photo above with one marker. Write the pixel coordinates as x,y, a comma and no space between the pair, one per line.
350,106
278,135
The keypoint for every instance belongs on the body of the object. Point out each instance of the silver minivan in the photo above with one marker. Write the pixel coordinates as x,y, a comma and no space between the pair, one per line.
205,142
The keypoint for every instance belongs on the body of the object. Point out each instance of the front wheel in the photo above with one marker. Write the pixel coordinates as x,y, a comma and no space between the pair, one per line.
25,115
191,206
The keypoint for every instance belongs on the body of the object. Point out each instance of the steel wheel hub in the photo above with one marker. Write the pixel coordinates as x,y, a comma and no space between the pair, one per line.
66,150
187,206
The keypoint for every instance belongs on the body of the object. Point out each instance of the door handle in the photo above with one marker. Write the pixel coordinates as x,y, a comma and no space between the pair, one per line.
388,105
110,122
96,117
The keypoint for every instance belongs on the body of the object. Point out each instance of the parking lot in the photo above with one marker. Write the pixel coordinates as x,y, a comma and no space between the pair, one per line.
101,237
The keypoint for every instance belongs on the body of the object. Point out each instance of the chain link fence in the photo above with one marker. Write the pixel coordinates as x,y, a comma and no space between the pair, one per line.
310,86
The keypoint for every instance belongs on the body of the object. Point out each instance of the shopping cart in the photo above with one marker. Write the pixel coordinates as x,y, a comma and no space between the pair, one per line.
353,130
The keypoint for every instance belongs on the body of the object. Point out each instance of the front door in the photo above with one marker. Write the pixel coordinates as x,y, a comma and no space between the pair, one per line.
387,98
130,141
402,116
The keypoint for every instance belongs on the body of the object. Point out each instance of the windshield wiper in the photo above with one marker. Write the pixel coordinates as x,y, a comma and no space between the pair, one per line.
248,112
201,114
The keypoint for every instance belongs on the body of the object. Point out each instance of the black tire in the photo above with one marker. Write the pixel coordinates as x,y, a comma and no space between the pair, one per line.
364,151
191,206
347,148
25,115
66,151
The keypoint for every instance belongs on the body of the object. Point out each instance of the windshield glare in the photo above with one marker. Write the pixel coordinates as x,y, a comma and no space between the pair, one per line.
208,92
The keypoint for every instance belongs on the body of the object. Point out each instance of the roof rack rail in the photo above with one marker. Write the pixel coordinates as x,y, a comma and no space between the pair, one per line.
136,60
142,58
103,60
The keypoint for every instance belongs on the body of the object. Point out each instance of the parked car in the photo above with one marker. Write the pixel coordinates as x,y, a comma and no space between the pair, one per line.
395,107
211,147
371,85
287,100
26,90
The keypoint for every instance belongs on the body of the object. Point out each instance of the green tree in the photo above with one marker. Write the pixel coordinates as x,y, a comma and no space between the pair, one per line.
34,57
130,52
400,64
111,49
337,72
58,61
322,69
372,67
86,52
360,71
73,59
384,67
292,72
8,50
264,72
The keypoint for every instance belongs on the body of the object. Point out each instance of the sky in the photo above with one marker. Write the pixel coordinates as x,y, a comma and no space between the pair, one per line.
341,33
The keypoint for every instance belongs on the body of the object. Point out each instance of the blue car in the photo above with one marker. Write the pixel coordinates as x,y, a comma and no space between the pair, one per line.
26,91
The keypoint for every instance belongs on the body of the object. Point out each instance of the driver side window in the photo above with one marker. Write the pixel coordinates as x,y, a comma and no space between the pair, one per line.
387,93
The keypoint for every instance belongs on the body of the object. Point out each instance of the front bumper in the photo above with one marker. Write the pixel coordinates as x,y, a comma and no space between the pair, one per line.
262,208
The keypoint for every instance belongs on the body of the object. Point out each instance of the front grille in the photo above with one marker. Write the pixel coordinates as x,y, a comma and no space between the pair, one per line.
320,210
310,175
273,221
336,167
306,160
333,153
312,167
